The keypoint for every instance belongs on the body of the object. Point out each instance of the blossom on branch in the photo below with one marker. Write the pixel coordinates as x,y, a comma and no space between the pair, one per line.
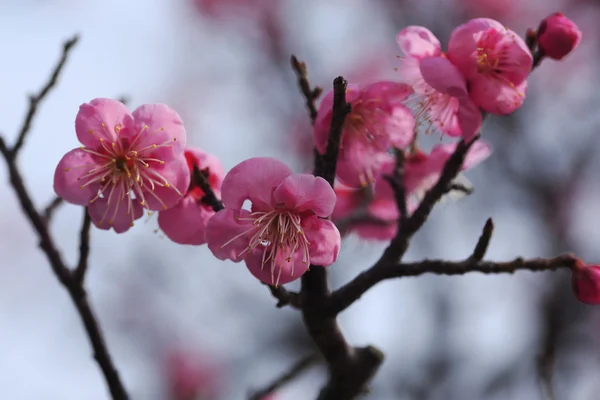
283,232
557,36
585,280
379,120
185,223
495,61
127,162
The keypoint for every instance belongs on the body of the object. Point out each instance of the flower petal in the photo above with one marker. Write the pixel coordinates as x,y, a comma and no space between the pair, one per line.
418,41
285,270
224,226
206,160
387,92
443,76
158,124
98,119
67,184
301,192
323,120
496,96
400,127
185,223
324,238
115,214
479,151
254,179
174,179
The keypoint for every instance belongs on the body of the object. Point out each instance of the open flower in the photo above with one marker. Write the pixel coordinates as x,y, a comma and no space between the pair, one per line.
585,280
284,230
127,162
495,61
185,223
440,95
379,120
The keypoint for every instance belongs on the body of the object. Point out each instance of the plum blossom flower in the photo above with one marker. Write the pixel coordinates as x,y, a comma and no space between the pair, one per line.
558,36
440,95
284,230
495,61
188,378
379,120
585,280
185,223
374,215
127,162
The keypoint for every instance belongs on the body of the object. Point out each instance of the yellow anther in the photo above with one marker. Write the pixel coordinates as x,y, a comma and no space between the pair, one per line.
66,169
142,203
153,146
167,185
102,125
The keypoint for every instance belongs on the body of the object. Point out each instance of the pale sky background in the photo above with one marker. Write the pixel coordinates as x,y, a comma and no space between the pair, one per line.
151,294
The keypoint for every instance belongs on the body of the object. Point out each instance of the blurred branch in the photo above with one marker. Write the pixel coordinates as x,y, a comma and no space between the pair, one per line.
396,181
201,179
38,220
34,100
285,297
84,248
483,242
51,208
287,377
352,291
310,94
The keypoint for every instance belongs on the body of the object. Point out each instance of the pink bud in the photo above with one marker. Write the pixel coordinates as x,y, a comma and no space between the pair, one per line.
558,36
586,283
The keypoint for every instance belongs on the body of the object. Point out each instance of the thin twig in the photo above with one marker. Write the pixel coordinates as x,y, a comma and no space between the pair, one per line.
84,248
287,377
396,181
285,297
310,94
483,242
35,100
201,179
51,208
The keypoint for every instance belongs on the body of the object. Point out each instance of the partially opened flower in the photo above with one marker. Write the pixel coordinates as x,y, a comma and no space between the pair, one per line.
185,223
585,280
127,162
495,61
440,95
283,232
379,120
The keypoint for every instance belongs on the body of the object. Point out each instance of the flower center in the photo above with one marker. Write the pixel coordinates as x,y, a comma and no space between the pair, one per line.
126,171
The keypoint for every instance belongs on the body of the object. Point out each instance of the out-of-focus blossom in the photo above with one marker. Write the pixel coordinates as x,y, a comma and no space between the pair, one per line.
185,223
585,280
374,214
495,61
127,162
558,36
188,378
379,120
440,90
284,231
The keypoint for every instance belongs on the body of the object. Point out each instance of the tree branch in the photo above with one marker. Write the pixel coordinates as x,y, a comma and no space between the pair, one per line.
483,242
310,94
285,297
51,208
201,179
287,377
35,100
84,248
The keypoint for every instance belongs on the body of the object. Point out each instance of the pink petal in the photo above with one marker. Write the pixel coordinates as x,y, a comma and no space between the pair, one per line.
478,152
443,76
376,232
357,162
176,173
401,127
67,184
417,41
97,120
115,214
496,96
284,272
301,192
469,118
348,201
324,238
585,281
323,120
224,226
254,179
387,92
159,124
212,162
185,223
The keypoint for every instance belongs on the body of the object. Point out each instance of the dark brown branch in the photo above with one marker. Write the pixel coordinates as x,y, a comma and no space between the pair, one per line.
200,178
84,248
352,291
287,377
396,181
483,242
35,100
51,208
285,297
310,94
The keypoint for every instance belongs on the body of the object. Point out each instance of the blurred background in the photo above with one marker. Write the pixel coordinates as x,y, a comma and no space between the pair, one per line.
178,321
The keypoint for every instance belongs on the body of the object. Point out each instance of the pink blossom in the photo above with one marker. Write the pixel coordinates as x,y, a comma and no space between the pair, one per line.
379,121
284,230
127,162
585,280
188,377
495,61
440,90
558,36
185,223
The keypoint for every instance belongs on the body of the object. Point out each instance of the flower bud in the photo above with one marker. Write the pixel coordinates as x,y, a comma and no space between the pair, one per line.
585,281
558,36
